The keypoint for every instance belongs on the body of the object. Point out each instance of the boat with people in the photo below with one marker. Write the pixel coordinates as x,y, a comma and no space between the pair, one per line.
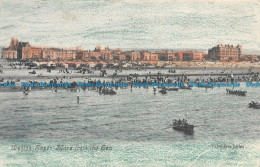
182,125
236,92
254,105
33,72
108,91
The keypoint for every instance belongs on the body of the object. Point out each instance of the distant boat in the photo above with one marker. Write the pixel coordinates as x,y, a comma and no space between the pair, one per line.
236,92
172,89
33,72
187,128
163,90
254,105
107,91
183,126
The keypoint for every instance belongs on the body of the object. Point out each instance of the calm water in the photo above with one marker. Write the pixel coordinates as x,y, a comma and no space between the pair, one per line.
135,124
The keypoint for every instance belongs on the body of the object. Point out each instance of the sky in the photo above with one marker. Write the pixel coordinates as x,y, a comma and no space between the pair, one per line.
143,24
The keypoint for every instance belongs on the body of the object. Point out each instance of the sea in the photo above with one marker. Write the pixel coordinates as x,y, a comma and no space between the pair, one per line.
131,128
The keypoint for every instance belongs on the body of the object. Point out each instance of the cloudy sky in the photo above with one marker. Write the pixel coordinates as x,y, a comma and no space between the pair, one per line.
149,24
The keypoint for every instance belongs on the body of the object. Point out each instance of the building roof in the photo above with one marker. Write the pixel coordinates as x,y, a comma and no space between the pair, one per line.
23,44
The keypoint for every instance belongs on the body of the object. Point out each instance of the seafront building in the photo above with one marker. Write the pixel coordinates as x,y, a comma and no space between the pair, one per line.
190,56
225,52
14,51
23,50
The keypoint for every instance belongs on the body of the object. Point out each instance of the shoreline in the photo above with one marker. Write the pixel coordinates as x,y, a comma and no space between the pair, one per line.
86,76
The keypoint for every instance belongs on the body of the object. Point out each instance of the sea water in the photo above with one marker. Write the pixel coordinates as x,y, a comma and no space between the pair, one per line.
131,128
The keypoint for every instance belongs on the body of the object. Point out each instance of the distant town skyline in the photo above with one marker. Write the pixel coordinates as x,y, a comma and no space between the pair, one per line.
246,51
126,24
24,50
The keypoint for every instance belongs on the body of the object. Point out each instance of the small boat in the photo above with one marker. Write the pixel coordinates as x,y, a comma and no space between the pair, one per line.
183,126
187,128
33,72
254,105
173,89
107,91
163,90
236,92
